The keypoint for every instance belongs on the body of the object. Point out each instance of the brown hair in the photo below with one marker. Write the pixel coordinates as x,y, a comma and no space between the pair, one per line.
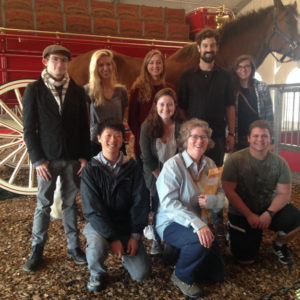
262,124
236,80
143,81
207,33
156,128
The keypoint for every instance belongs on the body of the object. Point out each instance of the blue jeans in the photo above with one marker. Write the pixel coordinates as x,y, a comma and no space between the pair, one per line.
97,247
69,186
194,260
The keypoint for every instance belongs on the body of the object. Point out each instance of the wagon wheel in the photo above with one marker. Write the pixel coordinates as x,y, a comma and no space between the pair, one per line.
17,173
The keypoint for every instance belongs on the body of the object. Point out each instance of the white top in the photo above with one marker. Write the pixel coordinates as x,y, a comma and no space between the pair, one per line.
168,149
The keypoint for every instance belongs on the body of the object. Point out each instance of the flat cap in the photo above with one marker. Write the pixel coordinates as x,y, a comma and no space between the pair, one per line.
56,49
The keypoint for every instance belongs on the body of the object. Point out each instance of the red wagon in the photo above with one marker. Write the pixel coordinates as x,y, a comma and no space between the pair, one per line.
20,63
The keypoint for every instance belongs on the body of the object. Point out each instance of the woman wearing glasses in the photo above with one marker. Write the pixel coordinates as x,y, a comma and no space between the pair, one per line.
253,100
180,188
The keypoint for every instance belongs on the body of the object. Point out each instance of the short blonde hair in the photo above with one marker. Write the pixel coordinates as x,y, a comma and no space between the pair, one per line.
185,132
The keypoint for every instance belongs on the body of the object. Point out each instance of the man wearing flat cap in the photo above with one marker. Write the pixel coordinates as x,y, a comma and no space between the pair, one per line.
56,133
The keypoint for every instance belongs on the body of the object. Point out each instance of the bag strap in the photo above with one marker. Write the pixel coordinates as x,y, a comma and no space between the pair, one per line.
198,178
245,99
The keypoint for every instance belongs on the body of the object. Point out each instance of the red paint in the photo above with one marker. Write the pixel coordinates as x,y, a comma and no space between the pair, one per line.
293,160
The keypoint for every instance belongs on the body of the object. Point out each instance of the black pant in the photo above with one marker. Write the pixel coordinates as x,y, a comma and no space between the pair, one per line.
218,151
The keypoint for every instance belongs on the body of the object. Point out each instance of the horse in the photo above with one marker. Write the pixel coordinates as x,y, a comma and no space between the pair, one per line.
268,30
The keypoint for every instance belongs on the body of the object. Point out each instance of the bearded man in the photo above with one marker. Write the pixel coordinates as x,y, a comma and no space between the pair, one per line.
206,93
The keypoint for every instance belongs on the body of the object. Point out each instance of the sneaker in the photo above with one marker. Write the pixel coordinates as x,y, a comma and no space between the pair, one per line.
77,255
34,259
156,248
95,283
283,253
192,291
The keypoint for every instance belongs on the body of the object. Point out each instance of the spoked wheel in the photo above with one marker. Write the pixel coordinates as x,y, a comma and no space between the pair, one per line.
17,174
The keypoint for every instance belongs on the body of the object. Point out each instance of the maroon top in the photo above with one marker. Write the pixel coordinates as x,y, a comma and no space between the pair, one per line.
139,111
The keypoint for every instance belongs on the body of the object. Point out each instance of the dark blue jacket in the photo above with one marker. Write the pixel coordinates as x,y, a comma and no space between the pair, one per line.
114,206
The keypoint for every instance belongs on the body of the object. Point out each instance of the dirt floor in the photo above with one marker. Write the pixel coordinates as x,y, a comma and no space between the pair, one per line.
59,278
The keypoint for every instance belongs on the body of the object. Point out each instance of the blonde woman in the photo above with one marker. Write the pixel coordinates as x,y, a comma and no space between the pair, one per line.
108,98
143,90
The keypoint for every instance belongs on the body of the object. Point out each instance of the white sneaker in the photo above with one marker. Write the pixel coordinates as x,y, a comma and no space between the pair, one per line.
148,232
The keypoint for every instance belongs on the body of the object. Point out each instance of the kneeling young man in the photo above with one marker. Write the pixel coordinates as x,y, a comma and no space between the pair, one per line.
257,183
116,207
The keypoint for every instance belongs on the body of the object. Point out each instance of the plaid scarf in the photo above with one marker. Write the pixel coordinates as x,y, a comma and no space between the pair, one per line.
53,85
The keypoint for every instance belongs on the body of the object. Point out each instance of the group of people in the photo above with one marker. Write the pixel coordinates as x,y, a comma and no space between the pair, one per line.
78,134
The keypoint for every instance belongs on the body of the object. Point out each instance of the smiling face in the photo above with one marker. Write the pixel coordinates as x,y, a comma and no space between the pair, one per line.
105,67
165,107
244,70
197,143
111,141
208,49
259,141
155,66
56,65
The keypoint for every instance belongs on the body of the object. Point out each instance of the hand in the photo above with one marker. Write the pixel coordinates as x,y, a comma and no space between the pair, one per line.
202,200
43,171
229,143
83,162
116,248
253,220
205,236
156,173
132,246
265,220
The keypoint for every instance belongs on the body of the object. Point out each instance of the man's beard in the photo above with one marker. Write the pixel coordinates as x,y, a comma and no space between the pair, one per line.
208,59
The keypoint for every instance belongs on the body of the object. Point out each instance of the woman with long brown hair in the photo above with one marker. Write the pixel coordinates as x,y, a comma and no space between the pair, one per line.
143,90
158,144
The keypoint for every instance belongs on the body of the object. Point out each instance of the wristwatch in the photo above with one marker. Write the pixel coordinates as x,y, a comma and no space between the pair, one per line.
270,212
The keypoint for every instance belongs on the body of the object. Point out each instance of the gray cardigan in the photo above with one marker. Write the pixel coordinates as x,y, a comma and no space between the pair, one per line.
150,157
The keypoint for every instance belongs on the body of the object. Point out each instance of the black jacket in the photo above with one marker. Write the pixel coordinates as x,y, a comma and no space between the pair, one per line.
206,95
49,135
114,206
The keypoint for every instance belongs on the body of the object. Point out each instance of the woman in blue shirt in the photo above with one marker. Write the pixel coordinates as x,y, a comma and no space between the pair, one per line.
180,188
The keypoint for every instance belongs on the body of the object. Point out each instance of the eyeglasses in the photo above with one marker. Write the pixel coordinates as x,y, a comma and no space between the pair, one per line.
56,59
243,67
196,137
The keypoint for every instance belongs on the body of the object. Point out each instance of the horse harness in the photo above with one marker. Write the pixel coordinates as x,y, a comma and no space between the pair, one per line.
293,45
